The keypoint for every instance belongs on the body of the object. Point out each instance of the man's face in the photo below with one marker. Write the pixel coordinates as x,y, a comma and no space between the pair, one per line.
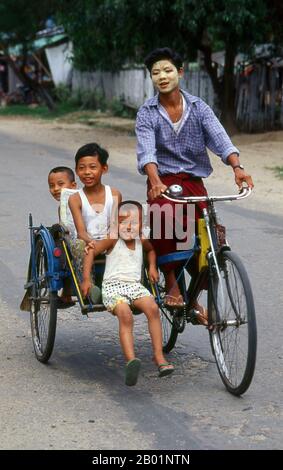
58,181
165,76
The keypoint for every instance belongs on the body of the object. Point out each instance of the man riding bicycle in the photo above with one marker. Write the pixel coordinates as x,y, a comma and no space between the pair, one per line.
174,130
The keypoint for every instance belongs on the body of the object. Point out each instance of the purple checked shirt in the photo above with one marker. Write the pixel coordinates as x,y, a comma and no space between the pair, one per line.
186,150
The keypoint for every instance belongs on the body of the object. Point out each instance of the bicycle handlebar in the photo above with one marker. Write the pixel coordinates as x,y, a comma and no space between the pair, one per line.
169,194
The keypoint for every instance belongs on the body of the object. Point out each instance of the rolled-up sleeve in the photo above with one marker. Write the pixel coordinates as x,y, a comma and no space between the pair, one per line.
146,149
216,138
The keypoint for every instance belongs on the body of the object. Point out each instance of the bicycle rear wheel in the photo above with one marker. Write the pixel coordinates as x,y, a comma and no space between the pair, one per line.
232,322
43,312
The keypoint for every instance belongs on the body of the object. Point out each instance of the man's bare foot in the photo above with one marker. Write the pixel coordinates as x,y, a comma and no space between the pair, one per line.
172,301
173,297
201,314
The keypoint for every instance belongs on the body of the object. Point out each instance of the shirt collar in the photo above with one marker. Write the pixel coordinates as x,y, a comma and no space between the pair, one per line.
189,99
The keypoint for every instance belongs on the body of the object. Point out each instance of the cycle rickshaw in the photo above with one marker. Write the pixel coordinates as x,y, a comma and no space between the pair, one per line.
231,312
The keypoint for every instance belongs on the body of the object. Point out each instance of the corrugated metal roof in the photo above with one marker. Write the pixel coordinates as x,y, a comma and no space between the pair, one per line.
40,43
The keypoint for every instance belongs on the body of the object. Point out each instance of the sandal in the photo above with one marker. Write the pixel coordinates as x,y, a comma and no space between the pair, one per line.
132,371
165,369
171,301
95,294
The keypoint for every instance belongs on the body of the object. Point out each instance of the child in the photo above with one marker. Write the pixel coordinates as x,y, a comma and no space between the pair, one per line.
59,178
62,177
93,205
122,286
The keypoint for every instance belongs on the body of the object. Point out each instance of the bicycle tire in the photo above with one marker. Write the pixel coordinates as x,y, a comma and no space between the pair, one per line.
43,311
169,330
233,302
171,324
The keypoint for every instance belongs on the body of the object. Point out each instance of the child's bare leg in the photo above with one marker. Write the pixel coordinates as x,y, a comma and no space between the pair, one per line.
126,323
67,290
151,310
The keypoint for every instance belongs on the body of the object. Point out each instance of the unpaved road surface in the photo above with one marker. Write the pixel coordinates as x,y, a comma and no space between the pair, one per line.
78,400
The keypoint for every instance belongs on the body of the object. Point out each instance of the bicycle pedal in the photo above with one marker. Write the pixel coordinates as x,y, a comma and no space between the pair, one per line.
192,317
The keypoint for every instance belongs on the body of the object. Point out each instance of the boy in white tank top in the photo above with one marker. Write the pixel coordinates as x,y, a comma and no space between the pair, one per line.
93,205
122,286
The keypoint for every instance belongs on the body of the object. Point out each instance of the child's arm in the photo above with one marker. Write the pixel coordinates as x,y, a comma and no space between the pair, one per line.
87,267
97,247
76,209
151,259
117,198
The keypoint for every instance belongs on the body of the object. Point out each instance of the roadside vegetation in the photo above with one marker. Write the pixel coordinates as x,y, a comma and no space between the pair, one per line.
79,106
277,170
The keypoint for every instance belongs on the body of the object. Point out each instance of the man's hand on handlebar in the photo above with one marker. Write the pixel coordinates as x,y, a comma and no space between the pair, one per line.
156,191
242,177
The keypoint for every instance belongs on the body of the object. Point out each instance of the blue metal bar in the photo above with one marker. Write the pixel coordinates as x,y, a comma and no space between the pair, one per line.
176,256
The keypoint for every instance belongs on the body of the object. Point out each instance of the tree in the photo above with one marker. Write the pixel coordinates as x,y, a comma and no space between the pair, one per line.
108,33
19,22
235,26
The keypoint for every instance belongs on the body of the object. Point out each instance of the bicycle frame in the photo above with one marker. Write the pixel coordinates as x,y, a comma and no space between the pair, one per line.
210,217
54,274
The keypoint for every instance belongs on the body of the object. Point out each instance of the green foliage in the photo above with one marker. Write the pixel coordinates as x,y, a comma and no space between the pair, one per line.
108,32
277,170
62,93
80,99
37,112
118,108
85,99
21,19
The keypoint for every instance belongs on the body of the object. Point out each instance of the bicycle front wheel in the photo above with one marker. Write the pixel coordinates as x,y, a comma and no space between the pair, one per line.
43,312
232,322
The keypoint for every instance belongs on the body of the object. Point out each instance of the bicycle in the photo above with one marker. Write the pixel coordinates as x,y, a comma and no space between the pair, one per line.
231,311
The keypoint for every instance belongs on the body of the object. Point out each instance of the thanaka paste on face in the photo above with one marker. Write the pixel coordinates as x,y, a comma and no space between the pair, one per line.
165,76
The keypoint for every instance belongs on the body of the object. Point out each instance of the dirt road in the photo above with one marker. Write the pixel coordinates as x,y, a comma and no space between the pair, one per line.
79,400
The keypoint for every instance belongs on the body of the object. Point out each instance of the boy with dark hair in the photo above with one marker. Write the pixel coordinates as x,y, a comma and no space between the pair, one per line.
60,178
93,205
163,53
92,149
